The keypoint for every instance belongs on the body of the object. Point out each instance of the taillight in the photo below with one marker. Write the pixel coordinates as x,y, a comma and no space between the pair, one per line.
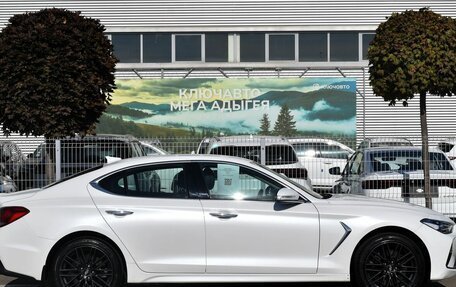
10,214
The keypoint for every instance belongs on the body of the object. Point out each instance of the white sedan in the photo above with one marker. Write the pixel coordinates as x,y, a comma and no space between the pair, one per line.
199,218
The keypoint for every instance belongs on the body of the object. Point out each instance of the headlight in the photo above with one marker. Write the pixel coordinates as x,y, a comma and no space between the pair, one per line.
444,227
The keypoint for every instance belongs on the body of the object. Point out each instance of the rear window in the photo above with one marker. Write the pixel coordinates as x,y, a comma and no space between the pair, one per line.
275,154
320,150
445,147
406,160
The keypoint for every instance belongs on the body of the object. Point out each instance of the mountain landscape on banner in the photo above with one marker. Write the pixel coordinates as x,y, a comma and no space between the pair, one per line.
322,111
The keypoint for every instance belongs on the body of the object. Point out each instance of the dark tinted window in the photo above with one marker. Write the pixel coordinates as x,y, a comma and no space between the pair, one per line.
216,47
161,181
127,47
313,46
344,46
281,47
157,48
275,154
445,147
188,47
406,160
252,47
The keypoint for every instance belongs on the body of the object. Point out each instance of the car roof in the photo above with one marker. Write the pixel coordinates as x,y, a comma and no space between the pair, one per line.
177,158
248,141
386,139
395,148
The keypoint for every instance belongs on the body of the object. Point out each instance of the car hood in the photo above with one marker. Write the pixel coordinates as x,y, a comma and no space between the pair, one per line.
355,201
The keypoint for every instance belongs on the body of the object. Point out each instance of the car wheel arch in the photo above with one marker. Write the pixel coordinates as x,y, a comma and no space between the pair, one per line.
81,235
399,230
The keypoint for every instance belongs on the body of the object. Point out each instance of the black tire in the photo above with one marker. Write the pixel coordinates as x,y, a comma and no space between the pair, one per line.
389,260
84,261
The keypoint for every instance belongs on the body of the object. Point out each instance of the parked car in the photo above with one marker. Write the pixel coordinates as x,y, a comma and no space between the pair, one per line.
11,157
202,147
151,149
384,141
77,154
318,156
397,173
278,154
210,219
447,146
7,184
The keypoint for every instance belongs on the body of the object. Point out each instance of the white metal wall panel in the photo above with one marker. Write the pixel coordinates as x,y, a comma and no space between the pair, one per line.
231,15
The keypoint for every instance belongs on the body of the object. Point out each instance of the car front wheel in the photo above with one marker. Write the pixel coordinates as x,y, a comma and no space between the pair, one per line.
86,262
389,260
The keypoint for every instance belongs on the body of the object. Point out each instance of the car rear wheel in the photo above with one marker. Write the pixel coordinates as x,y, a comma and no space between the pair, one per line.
389,260
86,262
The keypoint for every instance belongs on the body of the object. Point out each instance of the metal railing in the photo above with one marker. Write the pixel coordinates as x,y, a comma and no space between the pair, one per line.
389,168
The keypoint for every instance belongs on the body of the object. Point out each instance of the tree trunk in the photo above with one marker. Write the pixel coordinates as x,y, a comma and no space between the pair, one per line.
425,151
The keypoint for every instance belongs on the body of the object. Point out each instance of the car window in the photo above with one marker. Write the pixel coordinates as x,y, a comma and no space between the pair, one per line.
159,181
234,182
357,164
445,147
406,160
320,150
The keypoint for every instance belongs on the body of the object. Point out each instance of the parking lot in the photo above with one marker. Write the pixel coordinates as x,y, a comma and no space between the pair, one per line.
13,282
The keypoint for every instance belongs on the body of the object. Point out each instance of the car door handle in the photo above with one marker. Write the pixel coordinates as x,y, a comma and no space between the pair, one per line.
223,215
119,212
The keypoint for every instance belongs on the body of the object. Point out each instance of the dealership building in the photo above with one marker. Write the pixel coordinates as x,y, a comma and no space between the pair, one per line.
260,39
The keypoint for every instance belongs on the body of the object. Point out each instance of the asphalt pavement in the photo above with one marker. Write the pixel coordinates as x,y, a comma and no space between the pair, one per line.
13,282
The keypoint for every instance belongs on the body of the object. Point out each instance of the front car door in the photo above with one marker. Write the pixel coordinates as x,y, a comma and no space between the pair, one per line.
151,211
248,232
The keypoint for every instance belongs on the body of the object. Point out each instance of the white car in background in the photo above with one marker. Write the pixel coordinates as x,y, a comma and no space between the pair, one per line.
447,146
273,151
318,156
205,220
151,149
397,173
383,142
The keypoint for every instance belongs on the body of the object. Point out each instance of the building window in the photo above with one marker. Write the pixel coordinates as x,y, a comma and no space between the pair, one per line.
252,47
344,46
282,47
127,47
216,47
188,48
313,47
156,48
367,39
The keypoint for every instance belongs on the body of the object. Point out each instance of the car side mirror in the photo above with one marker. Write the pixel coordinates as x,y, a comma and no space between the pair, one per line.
287,195
334,170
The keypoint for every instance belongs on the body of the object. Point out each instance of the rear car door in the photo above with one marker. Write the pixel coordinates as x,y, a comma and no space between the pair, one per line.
150,210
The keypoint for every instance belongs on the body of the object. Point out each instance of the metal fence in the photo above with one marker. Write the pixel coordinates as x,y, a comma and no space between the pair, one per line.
390,168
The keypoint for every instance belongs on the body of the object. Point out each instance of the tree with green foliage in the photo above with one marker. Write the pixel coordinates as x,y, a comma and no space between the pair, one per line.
414,54
57,73
285,124
265,125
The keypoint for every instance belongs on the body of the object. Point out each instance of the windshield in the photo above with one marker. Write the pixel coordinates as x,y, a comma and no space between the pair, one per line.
303,188
275,154
406,160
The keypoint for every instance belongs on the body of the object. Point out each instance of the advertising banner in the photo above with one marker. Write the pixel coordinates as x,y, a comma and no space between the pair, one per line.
208,107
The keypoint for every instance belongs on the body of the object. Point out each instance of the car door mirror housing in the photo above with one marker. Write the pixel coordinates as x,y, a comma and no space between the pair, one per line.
287,195
334,170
